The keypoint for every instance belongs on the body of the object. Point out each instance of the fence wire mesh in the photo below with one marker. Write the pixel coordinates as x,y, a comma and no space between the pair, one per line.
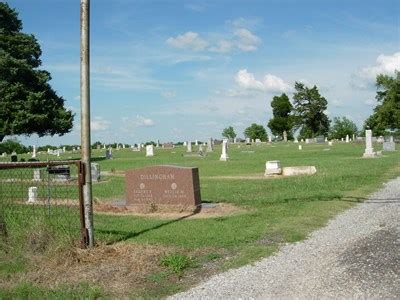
41,197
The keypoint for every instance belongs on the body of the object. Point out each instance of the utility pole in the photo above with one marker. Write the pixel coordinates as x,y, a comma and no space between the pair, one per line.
85,118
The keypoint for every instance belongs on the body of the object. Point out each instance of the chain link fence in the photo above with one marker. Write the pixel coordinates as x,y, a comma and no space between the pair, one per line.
42,198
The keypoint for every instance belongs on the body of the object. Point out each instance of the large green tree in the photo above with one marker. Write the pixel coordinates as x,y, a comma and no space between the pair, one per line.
309,109
342,127
256,131
387,113
28,104
282,119
229,133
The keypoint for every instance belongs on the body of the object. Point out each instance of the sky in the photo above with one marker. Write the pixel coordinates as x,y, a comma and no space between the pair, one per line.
185,70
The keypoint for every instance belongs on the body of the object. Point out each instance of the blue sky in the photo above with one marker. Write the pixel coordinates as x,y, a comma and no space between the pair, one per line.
184,70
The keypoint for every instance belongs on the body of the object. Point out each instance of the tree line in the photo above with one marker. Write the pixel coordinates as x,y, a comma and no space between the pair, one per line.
306,114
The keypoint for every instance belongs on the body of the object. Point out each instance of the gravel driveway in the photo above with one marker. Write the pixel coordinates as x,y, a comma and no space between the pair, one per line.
357,255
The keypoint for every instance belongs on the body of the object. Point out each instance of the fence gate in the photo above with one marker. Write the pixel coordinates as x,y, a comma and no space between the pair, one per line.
43,196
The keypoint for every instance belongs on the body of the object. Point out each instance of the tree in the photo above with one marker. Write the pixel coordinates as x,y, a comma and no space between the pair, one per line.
229,133
28,104
342,127
309,107
387,113
256,131
282,119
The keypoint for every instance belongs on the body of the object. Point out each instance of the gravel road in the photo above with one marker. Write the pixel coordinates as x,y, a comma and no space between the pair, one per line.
357,255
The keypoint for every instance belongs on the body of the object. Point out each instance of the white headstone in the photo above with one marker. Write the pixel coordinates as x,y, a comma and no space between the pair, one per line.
209,146
234,140
184,144
224,154
32,194
123,146
307,141
369,150
285,136
300,147
58,152
270,138
296,141
196,142
149,150
189,146
36,174
347,138
34,151
273,167
330,143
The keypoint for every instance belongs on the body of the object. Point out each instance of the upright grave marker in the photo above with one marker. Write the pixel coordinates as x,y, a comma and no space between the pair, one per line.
369,150
224,154
163,188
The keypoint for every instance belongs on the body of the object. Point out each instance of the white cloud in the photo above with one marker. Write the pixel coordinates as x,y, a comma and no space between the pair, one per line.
270,83
246,40
169,94
189,40
195,7
99,124
385,64
139,121
238,38
223,46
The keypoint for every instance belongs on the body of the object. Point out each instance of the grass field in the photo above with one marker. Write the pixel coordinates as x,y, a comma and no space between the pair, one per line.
153,257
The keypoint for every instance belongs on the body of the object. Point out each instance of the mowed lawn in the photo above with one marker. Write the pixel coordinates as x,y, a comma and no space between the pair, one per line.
273,211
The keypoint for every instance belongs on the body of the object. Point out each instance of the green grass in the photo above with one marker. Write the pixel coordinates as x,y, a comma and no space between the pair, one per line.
276,211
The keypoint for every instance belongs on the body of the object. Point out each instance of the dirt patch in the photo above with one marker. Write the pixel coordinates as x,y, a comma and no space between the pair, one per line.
208,210
116,268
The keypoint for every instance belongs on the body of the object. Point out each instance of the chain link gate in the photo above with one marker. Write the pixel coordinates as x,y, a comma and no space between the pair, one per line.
46,194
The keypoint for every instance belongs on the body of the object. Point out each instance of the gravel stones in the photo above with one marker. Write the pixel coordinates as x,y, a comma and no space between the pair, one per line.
357,255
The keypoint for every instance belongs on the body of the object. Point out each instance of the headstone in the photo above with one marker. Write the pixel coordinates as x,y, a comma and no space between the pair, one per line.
168,145
201,149
342,139
189,146
326,139
347,138
210,146
369,150
302,140
296,141
258,141
34,151
248,141
234,140
307,141
58,152
4,154
95,170
380,139
224,155
354,137
273,167
149,150
253,140
161,188
104,146
98,147
330,143
32,194
270,138
109,153
36,174
297,171
320,139
389,145
123,146
285,136
14,157
63,149
184,144
300,147
196,142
